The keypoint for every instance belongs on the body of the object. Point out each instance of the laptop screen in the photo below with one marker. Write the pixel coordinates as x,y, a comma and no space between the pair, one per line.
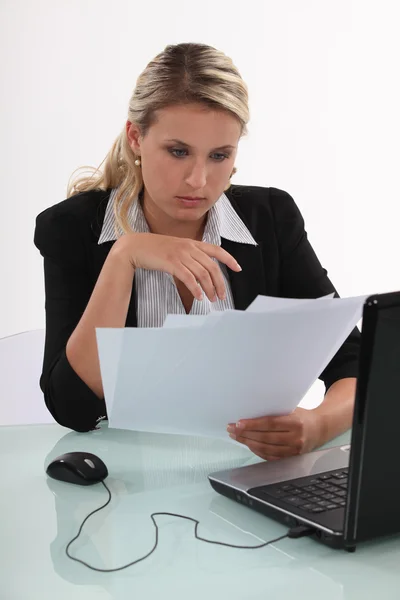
374,476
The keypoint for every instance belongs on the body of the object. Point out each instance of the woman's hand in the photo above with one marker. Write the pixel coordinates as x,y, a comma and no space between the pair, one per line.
187,260
272,438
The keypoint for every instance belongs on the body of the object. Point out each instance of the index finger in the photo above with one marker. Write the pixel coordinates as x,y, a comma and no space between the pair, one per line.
221,255
264,424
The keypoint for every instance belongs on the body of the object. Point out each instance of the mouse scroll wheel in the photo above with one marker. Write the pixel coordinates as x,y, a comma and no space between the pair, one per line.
89,462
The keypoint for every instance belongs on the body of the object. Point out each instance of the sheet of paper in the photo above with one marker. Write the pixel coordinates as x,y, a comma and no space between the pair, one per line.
255,365
259,304
264,303
246,365
143,352
173,321
109,342
328,305
183,320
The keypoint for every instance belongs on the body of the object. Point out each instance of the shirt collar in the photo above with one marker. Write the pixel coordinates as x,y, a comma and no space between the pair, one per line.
222,222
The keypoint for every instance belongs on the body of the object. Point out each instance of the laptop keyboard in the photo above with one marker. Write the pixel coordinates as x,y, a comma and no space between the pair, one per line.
314,494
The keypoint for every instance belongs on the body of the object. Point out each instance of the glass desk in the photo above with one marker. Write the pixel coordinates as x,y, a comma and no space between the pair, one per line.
148,473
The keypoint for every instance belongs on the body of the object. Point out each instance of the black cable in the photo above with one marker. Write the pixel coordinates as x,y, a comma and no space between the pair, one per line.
134,562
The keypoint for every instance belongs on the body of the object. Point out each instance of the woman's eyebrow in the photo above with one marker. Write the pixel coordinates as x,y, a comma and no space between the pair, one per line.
181,143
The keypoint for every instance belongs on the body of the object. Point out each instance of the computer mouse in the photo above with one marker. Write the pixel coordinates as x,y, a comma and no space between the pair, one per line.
82,468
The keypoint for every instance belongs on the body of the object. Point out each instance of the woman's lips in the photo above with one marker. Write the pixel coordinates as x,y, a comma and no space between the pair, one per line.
190,200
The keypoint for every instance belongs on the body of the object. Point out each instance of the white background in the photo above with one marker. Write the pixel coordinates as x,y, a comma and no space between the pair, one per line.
323,79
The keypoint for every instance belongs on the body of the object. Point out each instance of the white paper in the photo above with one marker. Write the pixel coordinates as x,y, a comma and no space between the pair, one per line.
197,379
184,320
249,366
109,342
264,303
147,358
259,304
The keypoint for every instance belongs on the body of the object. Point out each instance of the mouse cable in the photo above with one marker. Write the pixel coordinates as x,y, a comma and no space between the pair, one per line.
295,532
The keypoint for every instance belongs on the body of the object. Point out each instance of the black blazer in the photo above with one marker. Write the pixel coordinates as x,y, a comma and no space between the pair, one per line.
283,264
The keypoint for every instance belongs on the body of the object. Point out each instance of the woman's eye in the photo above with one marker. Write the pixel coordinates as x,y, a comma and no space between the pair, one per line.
218,156
181,153
178,152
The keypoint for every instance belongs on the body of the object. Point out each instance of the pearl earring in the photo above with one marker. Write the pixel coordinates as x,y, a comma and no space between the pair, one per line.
138,162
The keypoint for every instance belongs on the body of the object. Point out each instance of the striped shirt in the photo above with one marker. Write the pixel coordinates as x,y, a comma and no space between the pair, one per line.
156,292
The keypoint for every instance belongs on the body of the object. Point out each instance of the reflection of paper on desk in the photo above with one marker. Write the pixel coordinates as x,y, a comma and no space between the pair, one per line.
196,380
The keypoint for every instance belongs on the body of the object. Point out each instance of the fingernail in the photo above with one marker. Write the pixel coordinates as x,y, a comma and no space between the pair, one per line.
239,267
239,425
233,436
230,429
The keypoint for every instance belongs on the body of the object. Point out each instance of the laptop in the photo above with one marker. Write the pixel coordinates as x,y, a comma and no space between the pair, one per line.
351,493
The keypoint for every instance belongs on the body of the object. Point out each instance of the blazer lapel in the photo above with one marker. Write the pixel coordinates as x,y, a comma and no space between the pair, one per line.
250,282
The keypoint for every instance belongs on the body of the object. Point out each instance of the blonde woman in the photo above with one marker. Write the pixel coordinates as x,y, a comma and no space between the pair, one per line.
159,229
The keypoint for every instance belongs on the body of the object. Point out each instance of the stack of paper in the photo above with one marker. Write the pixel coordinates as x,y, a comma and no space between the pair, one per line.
197,374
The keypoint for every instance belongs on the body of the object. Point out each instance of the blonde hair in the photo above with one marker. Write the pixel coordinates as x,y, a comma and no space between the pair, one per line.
181,74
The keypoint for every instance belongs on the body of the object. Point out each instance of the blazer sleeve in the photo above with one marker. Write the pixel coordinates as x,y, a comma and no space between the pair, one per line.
67,291
302,276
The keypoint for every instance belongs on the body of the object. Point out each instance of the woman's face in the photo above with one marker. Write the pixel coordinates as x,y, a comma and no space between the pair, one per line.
187,159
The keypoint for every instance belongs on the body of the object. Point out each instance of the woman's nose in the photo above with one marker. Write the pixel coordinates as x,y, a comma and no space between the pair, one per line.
197,177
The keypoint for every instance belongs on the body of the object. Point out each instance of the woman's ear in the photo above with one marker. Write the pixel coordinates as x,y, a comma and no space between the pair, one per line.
134,137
